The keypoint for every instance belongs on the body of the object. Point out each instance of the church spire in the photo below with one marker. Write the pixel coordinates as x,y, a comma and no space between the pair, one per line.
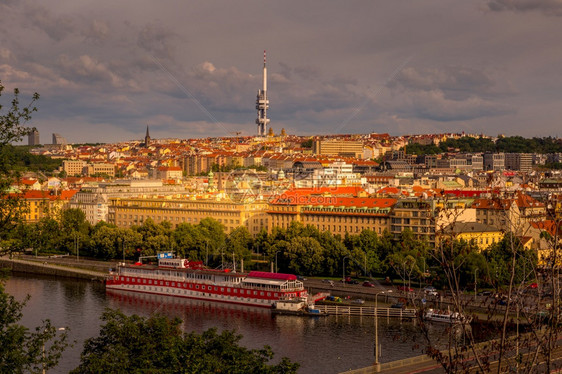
147,138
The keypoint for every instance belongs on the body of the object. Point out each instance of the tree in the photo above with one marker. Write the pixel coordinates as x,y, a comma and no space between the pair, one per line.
305,256
156,344
239,242
11,130
22,350
74,230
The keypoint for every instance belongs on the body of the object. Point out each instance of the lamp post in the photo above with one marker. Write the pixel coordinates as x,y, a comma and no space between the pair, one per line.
76,242
377,363
276,269
475,271
206,253
343,270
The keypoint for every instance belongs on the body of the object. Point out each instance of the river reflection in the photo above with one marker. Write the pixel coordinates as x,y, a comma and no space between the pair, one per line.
321,345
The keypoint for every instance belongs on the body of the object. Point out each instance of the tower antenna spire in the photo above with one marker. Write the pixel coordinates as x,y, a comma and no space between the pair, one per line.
262,103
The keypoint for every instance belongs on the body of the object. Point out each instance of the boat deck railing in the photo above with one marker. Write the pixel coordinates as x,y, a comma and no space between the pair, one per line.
174,278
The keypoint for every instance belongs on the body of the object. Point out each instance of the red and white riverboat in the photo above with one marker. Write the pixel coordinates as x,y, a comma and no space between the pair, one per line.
189,279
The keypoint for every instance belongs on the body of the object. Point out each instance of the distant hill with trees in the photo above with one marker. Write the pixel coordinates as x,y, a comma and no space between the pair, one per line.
510,144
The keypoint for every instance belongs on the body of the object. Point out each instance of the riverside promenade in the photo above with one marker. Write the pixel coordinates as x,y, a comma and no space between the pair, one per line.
58,267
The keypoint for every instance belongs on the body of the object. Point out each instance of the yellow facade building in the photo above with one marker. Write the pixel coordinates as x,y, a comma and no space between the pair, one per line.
127,212
339,215
483,236
41,204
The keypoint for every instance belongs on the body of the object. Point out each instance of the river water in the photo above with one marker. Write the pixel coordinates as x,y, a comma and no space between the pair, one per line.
327,345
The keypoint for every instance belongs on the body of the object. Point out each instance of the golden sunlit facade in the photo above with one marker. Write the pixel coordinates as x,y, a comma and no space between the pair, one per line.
127,212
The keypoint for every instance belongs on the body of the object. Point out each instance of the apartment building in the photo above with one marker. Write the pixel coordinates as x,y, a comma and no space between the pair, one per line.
99,169
345,148
41,204
336,214
73,168
94,200
127,212
428,217
519,162
494,161
510,214
479,234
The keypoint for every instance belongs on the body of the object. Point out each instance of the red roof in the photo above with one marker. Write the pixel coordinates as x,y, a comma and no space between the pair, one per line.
266,275
324,190
464,193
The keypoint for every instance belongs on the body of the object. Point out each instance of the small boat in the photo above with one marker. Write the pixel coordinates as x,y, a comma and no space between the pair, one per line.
298,307
446,317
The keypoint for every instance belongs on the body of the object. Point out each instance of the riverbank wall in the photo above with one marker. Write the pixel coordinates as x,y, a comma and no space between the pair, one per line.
45,268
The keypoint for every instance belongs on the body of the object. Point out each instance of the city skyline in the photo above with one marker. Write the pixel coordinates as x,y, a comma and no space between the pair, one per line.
192,70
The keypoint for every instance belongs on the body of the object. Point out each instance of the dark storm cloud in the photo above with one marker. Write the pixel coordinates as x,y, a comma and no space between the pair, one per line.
549,7
456,82
98,31
184,66
158,41
56,27
451,93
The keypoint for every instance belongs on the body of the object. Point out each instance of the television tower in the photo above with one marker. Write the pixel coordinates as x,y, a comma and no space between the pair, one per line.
262,103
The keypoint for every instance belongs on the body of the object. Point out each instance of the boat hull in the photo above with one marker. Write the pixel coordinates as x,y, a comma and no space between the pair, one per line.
170,291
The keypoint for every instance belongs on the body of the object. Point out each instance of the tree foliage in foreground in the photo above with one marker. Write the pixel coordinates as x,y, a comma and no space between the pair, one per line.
12,119
21,350
156,344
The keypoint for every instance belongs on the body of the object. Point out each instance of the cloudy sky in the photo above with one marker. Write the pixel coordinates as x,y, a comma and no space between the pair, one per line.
105,69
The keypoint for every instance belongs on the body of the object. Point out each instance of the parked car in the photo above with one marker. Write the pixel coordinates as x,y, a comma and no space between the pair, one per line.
358,301
430,291
301,277
484,293
398,306
405,289
327,281
350,280
368,284
502,302
335,299
533,285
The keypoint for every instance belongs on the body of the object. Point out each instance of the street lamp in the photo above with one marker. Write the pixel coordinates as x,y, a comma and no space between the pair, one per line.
206,253
377,363
76,243
343,270
475,271
276,269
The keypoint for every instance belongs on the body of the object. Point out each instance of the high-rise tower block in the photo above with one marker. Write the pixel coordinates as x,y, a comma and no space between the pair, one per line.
262,103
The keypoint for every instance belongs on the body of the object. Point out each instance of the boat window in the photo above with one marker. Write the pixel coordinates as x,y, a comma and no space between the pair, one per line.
197,286
216,288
